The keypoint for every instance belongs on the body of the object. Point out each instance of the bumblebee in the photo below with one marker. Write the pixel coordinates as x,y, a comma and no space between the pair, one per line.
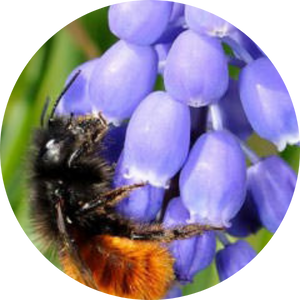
73,209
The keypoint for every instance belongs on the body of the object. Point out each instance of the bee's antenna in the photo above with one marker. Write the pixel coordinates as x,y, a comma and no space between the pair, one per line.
62,93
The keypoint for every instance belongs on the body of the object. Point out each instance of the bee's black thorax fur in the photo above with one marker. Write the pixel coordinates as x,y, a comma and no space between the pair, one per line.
67,167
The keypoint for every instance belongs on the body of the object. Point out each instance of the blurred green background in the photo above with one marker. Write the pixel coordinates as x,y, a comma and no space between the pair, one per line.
44,75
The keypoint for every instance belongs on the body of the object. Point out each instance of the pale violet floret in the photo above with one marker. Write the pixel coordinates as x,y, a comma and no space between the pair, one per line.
196,71
203,22
140,22
233,258
186,252
267,103
272,183
121,79
213,180
157,139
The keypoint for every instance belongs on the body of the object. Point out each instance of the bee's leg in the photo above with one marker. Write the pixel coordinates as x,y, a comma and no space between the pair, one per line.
99,135
95,127
156,232
77,153
110,199
113,197
99,128
102,119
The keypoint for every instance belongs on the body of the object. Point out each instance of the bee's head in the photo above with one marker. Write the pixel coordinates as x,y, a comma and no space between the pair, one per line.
57,146
58,138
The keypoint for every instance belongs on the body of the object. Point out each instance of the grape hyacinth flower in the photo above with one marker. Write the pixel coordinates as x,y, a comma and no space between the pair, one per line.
188,263
196,71
234,259
267,103
272,183
206,23
79,91
213,180
174,292
232,112
140,22
142,204
187,139
247,220
122,77
150,133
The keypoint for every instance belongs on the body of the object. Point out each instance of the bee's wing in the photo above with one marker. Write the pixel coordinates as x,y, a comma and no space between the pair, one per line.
69,255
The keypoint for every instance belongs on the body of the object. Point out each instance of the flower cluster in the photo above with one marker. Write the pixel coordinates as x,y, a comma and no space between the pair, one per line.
188,140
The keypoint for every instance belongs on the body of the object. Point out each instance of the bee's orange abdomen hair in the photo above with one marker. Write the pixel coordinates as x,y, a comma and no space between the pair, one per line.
127,268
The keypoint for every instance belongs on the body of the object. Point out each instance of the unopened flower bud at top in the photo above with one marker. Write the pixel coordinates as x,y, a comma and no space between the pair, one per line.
140,22
213,180
157,139
196,71
272,183
233,258
191,255
267,103
123,76
204,22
